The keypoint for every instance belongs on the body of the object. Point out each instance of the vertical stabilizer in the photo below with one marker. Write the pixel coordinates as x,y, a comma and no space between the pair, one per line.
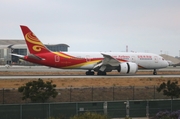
34,44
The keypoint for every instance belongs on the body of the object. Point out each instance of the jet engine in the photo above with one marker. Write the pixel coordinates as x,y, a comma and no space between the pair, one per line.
128,68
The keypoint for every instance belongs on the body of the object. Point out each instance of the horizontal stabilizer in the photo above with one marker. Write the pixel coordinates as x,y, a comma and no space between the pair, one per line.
17,55
29,56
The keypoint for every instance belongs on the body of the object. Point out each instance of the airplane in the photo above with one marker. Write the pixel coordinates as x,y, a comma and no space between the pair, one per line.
100,62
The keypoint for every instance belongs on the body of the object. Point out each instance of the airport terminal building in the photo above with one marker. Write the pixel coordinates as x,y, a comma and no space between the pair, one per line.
20,47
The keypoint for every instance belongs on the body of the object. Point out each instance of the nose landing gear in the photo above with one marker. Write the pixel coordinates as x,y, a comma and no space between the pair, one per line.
154,72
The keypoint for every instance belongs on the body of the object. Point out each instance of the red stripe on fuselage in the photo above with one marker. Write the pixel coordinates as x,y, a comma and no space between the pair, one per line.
53,60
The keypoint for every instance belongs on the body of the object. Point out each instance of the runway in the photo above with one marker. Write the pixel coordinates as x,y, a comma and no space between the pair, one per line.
47,69
50,69
95,76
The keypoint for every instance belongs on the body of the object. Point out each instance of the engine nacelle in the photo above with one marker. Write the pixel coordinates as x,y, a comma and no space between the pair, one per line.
128,68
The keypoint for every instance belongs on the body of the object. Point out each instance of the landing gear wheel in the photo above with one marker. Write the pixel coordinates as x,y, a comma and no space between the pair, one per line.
101,73
154,72
89,72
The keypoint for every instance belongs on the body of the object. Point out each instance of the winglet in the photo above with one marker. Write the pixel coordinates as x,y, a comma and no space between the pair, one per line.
34,44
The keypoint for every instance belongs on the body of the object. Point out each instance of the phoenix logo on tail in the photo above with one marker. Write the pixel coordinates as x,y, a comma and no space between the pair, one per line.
34,44
100,62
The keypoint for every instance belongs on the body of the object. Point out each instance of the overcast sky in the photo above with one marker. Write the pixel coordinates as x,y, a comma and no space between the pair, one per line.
97,25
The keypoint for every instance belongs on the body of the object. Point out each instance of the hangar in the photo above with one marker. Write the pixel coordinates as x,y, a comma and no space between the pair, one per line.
20,47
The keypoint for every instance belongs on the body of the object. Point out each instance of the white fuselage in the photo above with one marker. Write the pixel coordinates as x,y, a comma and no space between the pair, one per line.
143,60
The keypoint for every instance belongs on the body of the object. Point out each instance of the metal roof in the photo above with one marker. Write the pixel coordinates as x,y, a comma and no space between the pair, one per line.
19,46
56,45
11,42
22,43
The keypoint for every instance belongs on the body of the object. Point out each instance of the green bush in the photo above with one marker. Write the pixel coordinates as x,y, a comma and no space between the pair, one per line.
38,91
90,115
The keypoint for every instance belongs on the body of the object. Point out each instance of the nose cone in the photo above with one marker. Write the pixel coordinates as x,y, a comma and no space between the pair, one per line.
166,63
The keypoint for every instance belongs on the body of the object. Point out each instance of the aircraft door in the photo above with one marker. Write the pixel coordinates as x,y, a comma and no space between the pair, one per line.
56,58
133,59
88,58
156,59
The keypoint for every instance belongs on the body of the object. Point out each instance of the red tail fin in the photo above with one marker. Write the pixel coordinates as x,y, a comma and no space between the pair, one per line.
34,44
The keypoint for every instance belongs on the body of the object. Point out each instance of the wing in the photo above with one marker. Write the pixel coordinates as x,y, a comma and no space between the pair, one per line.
107,64
109,60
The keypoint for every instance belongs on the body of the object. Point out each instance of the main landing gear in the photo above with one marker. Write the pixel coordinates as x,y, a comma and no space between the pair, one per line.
101,73
89,72
154,72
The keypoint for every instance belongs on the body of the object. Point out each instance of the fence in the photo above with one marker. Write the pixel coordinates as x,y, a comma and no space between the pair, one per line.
12,96
115,109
